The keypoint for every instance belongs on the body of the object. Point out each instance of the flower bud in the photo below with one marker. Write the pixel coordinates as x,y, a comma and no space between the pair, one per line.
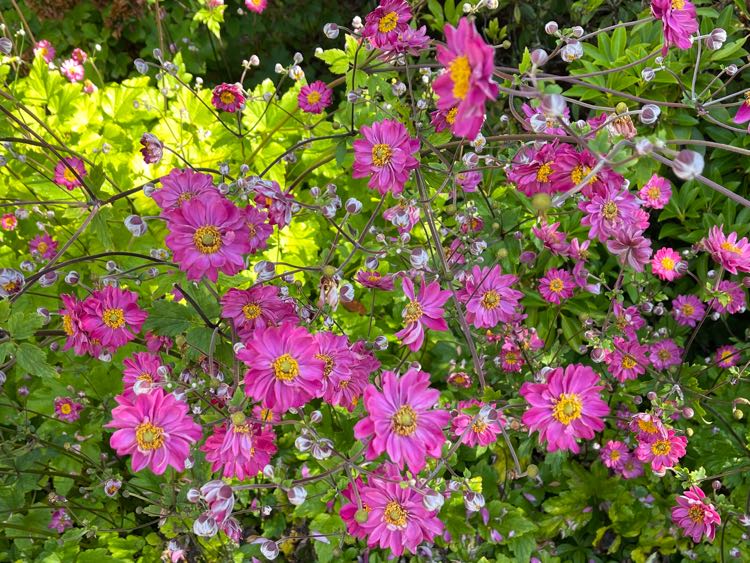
136,225
303,444
268,471
297,495
539,57
473,501
72,277
193,495
48,279
715,39
331,30
433,500
648,74
419,258
205,526
353,206
687,164
550,28
577,31
649,114
731,70
553,105
269,549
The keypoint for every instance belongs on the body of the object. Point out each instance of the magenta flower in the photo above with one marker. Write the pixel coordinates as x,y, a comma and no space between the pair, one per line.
112,317
374,280
443,119
632,248
386,22
627,319
648,428
346,390
60,521
511,358
556,286
467,81
688,310
240,449
155,430
468,181
696,515
402,420
488,297
566,407
228,97
572,166
423,310
67,409
348,511
475,429
141,374
607,211
727,356
45,50
315,97
333,350
72,70
79,55
664,264
208,235
410,41
257,307
628,360
256,6
731,298
730,253
532,170
65,175
665,354
397,518
154,342
283,371
632,468
656,192
663,452
743,112
180,186
76,336
552,239
8,222
614,454
679,21
258,227
385,155
43,246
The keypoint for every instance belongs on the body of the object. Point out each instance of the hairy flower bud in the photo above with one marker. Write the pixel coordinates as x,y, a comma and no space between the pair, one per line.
649,114
269,549
331,30
539,57
715,40
551,27
205,526
297,495
433,500
136,225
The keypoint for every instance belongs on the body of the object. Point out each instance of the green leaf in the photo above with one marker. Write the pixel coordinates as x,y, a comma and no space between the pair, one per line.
167,318
21,326
33,360
337,60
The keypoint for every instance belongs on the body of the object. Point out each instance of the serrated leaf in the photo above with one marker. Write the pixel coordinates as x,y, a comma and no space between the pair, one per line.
33,360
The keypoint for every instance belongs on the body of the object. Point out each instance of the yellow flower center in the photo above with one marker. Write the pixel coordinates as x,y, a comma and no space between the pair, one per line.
413,312
614,455
654,192
663,354
227,97
511,358
747,98
68,325
460,71
207,239
68,175
490,300
726,354
113,318
42,247
266,415
11,286
579,173
149,437
647,426
688,309
184,196
567,408
381,154
451,115
696,512
251,311
404,422
313,97
478,427
729,247
285,368
661,447
328,359
556,285
628,362
145,377
667,263
395,515
542,175
678,4
610,211
388,22
65,408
